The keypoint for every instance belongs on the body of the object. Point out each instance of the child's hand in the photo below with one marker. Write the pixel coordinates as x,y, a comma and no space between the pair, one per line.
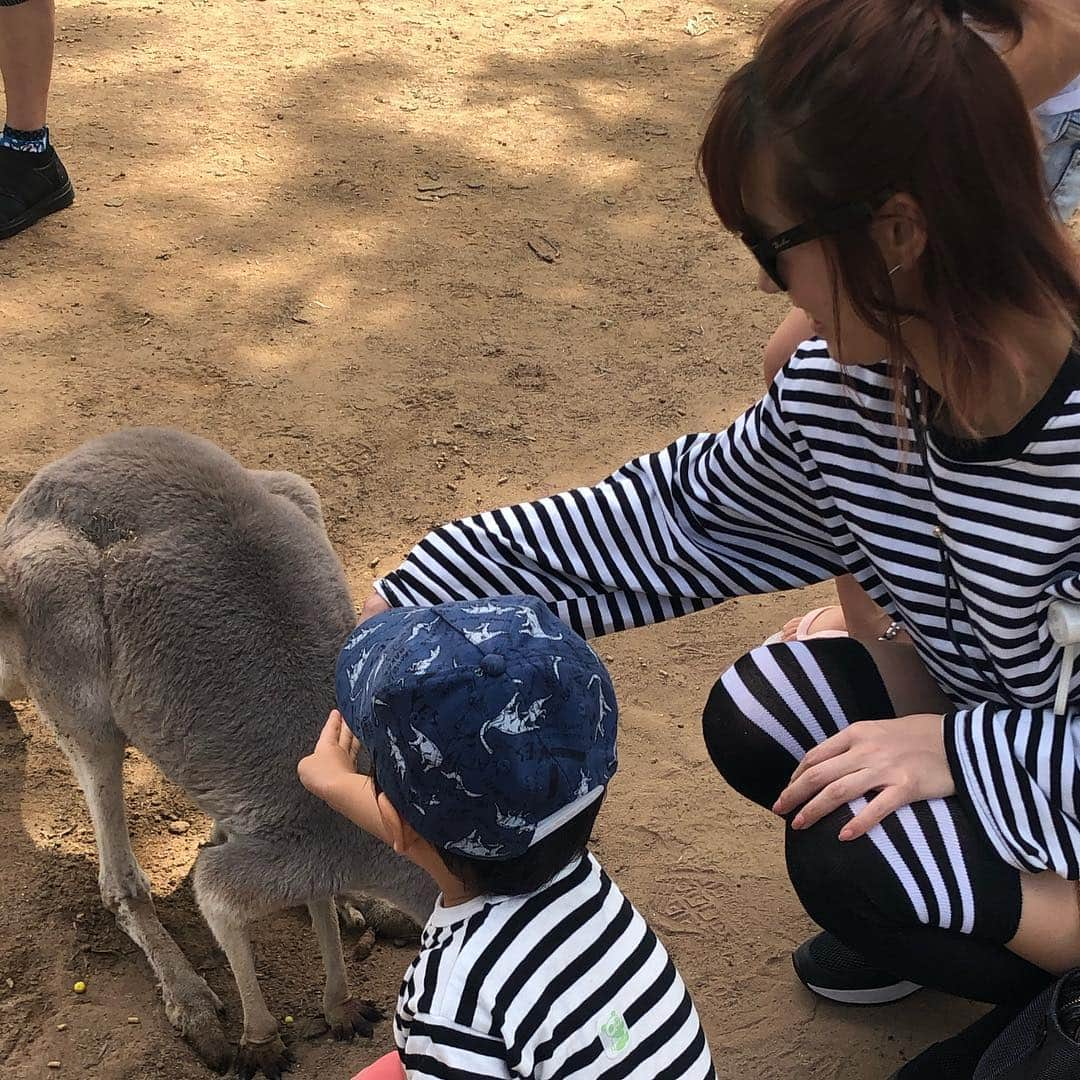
333,759
373,605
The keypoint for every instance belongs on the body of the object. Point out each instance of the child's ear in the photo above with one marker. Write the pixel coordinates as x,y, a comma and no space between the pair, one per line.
396,829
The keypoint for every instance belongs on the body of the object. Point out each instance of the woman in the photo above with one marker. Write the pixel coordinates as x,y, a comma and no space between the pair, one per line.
1046,66
879,160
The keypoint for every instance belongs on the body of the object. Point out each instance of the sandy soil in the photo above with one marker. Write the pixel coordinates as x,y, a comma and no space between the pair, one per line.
314,232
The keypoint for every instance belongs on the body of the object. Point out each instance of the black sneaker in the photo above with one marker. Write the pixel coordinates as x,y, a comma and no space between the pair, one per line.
831,970
31,186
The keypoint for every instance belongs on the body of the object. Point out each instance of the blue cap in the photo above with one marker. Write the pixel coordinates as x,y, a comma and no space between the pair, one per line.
490,722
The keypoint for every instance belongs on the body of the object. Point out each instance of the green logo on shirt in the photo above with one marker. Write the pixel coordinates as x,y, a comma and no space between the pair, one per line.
614,1034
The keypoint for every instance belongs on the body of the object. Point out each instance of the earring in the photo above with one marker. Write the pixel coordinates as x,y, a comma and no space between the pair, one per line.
900,266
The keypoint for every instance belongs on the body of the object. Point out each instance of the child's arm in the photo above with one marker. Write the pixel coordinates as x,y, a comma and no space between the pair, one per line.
329,772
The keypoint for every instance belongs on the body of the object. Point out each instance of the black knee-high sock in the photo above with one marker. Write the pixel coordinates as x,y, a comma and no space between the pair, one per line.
847,888
757,757
925,896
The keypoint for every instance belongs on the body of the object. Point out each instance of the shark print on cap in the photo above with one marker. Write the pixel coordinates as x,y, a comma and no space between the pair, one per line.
512,721
485,719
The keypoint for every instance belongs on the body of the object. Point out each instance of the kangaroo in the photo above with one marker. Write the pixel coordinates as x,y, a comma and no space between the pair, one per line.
155,592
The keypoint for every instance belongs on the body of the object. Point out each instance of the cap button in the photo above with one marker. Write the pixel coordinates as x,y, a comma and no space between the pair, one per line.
493,664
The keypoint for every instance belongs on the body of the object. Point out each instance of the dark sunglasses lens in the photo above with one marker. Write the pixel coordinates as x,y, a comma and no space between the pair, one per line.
771,265
766,259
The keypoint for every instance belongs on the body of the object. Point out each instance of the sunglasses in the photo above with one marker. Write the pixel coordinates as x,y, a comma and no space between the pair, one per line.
837,220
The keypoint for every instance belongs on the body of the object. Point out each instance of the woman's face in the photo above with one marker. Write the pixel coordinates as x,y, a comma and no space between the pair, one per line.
809,279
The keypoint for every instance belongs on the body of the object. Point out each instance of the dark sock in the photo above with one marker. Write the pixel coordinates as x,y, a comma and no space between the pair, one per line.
958,1057
849,889
30,142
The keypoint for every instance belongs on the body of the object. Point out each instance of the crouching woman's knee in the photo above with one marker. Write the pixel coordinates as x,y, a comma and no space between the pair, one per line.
746,741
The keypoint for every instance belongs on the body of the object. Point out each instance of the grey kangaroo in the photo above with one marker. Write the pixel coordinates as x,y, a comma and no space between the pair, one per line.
155,592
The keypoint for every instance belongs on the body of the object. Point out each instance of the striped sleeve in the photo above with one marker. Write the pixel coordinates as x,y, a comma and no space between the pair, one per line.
710,517
439,1049
1016,770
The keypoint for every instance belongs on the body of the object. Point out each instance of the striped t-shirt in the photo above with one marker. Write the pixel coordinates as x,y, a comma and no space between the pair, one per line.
567,982
814,481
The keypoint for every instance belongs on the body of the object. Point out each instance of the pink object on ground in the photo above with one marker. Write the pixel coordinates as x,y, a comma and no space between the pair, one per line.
387,1067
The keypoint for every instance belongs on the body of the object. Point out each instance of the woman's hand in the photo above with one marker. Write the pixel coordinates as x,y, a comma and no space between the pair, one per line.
902,760
332,760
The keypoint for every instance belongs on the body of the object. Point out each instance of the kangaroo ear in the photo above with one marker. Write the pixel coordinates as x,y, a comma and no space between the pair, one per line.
294,488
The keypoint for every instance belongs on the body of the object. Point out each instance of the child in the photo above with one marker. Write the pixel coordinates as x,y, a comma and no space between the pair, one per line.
491,731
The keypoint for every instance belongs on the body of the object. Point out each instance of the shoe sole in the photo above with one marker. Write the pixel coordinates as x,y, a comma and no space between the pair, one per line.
878,995
58,200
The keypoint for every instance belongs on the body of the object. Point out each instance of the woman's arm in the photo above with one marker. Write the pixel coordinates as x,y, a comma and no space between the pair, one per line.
710,517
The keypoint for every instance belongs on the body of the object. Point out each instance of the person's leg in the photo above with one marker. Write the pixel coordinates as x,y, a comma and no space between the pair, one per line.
33,180
845,888
922,895
1049,930
940,916
27,31
779,701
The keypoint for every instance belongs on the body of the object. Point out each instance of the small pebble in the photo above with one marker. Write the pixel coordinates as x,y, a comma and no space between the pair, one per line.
61,1027
54,1064
179,827
79,987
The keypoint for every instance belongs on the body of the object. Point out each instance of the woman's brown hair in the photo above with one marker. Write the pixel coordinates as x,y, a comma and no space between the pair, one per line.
855,97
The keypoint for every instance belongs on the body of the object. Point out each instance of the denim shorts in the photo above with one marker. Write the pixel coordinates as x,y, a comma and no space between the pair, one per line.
1061,159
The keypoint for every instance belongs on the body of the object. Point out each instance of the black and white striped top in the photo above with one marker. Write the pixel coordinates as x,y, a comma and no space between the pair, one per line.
810,483
566,983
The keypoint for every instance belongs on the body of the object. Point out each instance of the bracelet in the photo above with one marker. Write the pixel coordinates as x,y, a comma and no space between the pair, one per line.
894,628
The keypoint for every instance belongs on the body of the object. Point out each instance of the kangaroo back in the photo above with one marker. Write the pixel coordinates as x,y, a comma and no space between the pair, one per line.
221,602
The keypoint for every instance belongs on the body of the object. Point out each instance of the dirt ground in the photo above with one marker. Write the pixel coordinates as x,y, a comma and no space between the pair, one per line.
433,257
